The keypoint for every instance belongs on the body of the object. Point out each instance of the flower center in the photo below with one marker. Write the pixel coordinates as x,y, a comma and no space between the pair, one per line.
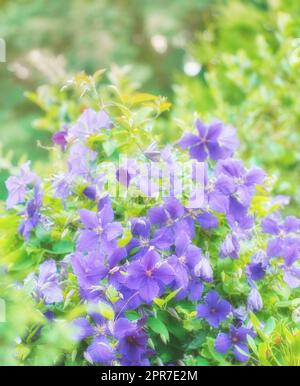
99,229
213,310
100,329
235,339
282,234
144,242
181,259
239,180
148,273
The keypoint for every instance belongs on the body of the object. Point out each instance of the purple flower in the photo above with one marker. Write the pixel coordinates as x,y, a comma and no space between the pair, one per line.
89,270
62,185
132,341
47,283
17,186
230,247
31,213
80,159
60,138
184,261
100,231
203,269
141,232
99,350
236,340
281,231
254,301
214,141
214,310
256,270
238,184
89,123
291,273
169,219
149,276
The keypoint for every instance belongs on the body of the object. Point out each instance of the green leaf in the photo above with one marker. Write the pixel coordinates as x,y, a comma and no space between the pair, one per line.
103,309
269,325
159,327
63,247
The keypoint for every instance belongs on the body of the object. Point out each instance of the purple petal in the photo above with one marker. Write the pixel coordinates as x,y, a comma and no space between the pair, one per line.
89,219
198,152
188,140
83,329
100,351
222,343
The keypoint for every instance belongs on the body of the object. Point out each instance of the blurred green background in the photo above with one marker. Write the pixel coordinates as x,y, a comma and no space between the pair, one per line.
237,60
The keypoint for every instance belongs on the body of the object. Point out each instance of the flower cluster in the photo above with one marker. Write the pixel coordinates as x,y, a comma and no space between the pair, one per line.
173,250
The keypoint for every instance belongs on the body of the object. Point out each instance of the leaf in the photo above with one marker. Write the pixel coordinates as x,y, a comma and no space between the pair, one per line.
252,344
269,325
103,309
63,247
132,315
159,327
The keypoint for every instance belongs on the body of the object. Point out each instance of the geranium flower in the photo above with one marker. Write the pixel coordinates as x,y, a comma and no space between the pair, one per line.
99,350
214,310
99,231
89,270
31,213
132,343
149,275
17,186
291,273
89,123
47,286
230,247
184,261
214,141
256,270
283,232
254,301
236,340
238,184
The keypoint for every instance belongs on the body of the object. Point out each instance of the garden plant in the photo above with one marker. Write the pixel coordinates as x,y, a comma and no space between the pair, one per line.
115,254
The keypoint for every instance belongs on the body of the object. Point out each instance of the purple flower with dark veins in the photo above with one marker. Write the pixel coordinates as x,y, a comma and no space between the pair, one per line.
214,310
141,240
47,285
230,247
89,270
132,341
169,220
149,275
31,213
184,261
256,270
239,185
100,349
282,232
17,186
215,141
291,271
236,340
100,231
89,123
